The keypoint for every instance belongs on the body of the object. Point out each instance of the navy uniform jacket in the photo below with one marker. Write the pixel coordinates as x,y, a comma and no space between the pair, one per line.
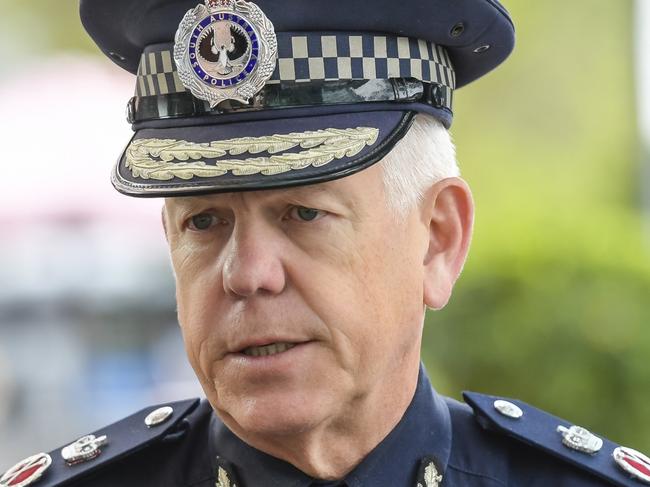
470,446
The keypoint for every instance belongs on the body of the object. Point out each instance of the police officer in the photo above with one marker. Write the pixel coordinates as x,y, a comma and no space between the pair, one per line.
313,211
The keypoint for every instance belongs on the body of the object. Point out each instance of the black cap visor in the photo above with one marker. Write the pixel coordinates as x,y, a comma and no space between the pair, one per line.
256,154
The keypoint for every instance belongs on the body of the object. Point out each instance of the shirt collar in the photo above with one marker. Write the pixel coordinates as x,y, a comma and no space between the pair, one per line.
423,431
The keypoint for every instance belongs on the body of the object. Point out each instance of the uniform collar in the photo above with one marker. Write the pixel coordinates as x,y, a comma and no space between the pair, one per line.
423,431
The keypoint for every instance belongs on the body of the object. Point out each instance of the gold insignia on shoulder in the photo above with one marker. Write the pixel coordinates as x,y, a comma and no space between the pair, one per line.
431,476
154,158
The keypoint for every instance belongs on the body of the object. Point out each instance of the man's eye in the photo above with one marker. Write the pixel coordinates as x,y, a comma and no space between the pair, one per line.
202,221
305,214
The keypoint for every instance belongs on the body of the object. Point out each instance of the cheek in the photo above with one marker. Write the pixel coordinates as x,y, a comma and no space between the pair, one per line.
396,282
388,271
367,291
197,296
195,269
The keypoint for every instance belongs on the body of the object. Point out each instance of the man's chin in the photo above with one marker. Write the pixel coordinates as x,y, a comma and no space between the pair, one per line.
276,414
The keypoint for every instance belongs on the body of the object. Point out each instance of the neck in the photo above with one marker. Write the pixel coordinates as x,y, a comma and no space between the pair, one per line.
336,446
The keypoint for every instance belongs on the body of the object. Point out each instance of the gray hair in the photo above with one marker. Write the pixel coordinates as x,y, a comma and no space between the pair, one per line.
423,157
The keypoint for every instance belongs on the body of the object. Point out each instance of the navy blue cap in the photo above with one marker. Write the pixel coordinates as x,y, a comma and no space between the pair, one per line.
235,96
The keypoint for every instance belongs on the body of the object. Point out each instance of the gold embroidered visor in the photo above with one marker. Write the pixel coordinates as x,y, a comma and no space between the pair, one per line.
275,153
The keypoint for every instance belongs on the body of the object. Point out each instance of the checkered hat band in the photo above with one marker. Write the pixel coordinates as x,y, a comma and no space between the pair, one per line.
317,57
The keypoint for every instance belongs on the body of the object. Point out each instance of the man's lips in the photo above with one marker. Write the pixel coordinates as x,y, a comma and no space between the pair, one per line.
267,346
271,349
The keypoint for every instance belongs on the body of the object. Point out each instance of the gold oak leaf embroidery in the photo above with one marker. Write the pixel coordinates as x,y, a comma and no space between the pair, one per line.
154,158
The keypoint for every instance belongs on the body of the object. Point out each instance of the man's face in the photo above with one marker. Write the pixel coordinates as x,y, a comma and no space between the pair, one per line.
296,304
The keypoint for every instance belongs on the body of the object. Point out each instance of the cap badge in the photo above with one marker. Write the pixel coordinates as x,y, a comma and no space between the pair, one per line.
27,471
580,439
225,50
633,462
84,449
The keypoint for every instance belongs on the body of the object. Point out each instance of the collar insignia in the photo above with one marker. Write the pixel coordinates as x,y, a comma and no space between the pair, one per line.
223,479
428,475
225,50
225,474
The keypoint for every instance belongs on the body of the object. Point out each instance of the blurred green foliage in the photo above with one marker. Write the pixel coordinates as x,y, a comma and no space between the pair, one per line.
553,304
41,28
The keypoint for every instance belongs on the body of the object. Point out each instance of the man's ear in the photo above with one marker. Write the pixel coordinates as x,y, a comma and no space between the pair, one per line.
448,212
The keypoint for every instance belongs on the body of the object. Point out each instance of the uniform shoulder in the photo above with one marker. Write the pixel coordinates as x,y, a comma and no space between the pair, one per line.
536,445
154,442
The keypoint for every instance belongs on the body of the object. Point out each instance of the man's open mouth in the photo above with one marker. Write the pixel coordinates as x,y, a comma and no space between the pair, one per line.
271,349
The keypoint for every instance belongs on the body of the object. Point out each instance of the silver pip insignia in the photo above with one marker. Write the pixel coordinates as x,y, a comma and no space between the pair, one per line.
84,449
225,50
580,439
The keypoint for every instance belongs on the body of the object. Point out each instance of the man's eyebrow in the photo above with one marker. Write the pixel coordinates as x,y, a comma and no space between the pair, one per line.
298,192
324,188
336,193
317,195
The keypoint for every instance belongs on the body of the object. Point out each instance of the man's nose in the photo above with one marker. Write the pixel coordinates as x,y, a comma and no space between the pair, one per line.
253,262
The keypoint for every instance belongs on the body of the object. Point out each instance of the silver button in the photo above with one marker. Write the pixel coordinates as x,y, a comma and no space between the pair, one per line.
508,409
158,416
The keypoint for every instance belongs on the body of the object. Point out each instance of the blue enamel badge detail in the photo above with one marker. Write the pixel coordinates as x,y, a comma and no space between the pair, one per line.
225,50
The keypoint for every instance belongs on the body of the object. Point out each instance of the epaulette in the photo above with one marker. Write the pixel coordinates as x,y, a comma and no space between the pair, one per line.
572,444
105,446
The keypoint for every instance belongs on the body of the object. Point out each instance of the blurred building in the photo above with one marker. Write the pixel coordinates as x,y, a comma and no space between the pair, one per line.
88,329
